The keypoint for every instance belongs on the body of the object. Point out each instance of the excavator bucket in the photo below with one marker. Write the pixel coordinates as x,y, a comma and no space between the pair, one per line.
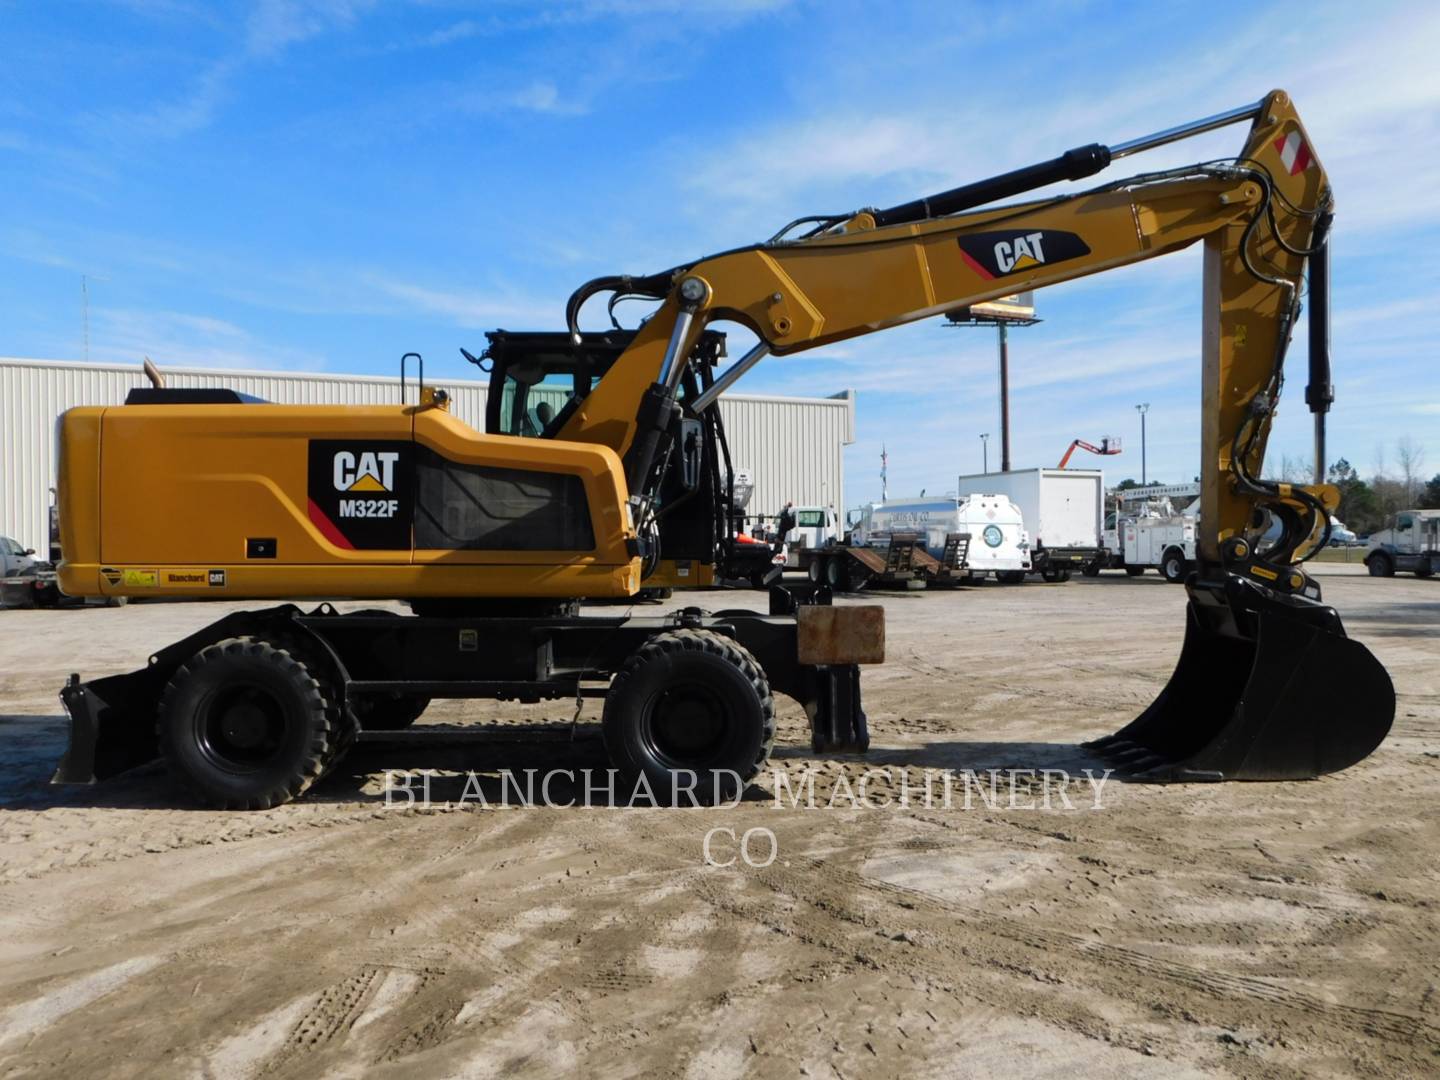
1268,687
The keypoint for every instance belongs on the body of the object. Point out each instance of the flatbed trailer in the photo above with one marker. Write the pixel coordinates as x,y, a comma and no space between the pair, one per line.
951,568
901,562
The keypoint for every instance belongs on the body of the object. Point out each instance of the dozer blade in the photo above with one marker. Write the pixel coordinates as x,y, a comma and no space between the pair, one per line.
112,726
1268,687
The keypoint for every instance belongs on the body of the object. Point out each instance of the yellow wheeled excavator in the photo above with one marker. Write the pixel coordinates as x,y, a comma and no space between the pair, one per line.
603,468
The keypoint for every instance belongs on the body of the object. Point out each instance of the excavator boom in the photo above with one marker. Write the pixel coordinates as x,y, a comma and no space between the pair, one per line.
1261,651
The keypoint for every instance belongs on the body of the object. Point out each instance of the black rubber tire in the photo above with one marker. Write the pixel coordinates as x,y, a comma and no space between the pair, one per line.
833,572
816,570
1134,571
713,683
1063,576
1011,577
1173,567
388,712
241,691
1423,570
1381,565
1050,576
1091,569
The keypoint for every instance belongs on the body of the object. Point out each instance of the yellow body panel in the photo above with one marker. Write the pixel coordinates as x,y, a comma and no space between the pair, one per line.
163,499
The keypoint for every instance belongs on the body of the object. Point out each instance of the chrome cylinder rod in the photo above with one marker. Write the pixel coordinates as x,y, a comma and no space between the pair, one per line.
1184,131
673,366
731,375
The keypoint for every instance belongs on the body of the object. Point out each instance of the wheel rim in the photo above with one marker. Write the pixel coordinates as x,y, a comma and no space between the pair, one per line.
1172,569
241,727
686,726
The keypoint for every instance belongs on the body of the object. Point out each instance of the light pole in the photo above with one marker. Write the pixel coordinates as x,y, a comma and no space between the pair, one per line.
1017,309
1004,398
1142,409
985,451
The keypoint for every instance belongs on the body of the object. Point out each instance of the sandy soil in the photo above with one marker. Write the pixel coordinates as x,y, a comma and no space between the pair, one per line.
1252,930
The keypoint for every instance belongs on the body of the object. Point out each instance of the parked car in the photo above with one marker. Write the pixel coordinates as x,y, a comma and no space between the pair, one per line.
14,559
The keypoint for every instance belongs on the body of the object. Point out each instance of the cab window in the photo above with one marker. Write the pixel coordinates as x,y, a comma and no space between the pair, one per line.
809,519
532,398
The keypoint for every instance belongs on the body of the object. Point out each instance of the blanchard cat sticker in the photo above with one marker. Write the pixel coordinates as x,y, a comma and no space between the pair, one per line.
1013,251
361,494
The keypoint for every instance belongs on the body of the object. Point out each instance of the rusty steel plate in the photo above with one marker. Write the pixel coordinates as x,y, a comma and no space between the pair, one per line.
841,635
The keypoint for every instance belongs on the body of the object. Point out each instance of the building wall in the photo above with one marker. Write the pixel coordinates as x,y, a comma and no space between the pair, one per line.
794,447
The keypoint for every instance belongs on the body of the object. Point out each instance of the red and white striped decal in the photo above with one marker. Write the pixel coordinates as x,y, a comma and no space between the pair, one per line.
1294,154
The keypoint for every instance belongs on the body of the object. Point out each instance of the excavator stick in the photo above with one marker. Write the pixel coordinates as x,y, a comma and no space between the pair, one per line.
1268,687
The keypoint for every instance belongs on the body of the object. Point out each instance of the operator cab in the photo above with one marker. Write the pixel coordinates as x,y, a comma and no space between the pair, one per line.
539,379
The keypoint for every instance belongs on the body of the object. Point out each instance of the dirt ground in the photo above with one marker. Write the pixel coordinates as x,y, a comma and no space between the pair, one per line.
1239,929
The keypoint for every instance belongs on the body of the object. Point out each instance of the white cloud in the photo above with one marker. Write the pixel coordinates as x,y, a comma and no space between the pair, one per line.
182,339
471,309
275,25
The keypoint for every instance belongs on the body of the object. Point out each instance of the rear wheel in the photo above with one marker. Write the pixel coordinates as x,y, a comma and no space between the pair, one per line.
833,573
1091,569
1381,565
690,711
1134,571
243,725
1011,577
1173,566
1423,569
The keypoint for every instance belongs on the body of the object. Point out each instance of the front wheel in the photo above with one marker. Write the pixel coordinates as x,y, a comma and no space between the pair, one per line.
691,711
243,725
1381,565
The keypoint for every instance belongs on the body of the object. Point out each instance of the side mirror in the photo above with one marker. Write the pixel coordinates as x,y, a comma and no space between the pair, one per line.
29,551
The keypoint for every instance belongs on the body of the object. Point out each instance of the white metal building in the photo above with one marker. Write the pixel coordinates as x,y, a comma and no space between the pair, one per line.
793,447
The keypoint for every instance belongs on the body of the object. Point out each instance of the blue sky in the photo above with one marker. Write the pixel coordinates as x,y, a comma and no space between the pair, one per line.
328,184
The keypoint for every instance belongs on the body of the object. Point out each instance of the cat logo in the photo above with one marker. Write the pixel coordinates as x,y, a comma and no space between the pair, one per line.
369,471
1012,251
360,493
1021,253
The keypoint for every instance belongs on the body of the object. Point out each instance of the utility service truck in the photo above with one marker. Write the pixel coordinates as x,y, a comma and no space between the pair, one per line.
1148,535
1063,509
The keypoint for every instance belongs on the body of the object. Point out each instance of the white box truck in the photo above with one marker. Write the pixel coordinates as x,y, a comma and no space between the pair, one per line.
1064,512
